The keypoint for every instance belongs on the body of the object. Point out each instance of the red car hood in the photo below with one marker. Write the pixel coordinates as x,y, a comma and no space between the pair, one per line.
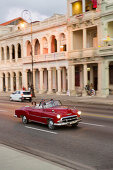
65,110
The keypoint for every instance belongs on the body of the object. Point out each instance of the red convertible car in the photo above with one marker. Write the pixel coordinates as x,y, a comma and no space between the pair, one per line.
51,112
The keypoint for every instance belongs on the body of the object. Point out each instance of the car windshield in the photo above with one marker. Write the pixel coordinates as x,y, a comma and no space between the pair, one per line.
26,93
48,104
52,103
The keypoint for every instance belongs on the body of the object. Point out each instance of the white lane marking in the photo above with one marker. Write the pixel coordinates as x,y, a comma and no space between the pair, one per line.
41,130
92,124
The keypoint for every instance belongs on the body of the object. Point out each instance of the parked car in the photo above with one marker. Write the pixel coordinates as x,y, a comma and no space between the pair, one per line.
51,112
21,95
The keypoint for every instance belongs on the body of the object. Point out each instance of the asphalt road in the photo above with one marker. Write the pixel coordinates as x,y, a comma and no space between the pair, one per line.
89,146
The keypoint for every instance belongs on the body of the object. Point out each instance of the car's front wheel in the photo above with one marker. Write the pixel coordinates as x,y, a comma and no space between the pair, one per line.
75,125
24,120
51,124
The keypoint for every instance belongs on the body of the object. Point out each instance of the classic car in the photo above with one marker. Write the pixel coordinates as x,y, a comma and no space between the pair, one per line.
50,112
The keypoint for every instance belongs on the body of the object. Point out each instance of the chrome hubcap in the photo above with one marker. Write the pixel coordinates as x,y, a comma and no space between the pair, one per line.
50,124
24,119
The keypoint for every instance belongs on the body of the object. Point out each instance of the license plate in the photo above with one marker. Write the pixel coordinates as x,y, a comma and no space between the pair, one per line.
27,98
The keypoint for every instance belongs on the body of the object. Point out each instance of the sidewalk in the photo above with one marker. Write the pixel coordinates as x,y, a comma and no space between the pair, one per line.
12,159
87,99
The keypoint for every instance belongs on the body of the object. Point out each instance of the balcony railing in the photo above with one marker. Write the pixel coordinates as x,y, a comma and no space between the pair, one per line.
83,53
105,51
90,15
46,57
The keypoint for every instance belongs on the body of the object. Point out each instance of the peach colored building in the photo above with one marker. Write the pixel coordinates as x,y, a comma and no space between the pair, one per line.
69,51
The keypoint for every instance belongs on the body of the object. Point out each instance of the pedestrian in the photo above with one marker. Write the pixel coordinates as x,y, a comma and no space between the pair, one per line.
23,88
4,88
29,88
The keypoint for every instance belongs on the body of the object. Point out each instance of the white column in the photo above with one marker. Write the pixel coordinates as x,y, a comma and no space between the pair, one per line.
58,44
83,5
68,8
49,81
49,45
25,79
41,81
17,80
64,79
16,53
59,80
10,51
85,79
84,38
99,78
54,79
12,89
6,81
5,53
85,75
71,80
105,78
73,77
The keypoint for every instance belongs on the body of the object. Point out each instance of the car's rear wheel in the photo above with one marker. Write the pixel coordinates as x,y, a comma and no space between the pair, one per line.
30,100
11,99
24,120
21,100
51,125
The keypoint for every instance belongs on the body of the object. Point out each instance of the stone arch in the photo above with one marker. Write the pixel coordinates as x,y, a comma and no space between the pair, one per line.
2,53
7,53
13,52
19,50
14,81
45,45
3,81
28,48
63,46
53,44
20,80
36,47
9,81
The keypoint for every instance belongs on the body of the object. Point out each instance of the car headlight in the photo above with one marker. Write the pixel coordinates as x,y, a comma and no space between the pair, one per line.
58,116
79,112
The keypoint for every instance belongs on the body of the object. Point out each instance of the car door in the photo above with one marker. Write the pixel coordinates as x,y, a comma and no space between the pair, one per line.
36,114
14,96
18,95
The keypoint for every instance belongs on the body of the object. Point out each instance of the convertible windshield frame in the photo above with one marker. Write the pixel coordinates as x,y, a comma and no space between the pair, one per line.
49,104
53,103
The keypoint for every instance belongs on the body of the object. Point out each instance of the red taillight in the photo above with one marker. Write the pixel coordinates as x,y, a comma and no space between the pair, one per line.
31,95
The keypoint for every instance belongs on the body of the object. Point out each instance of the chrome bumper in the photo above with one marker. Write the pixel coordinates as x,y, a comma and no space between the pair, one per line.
67,123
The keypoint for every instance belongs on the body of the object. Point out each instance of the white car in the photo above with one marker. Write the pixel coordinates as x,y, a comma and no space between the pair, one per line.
21,96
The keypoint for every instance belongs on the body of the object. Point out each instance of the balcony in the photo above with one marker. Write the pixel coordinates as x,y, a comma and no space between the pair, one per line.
46,57
105,51
83,53
87,16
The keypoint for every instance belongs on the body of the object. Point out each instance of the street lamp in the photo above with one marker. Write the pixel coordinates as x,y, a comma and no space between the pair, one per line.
26,14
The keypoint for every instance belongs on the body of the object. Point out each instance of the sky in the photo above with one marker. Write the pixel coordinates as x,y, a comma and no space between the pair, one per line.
40,9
